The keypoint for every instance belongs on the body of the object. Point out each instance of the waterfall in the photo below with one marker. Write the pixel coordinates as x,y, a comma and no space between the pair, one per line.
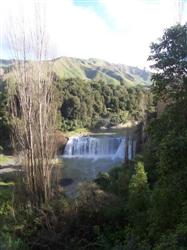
98,147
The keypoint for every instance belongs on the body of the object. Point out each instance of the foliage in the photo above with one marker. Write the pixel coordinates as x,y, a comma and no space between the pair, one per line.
96,104
138,206
165,157
138,202
97,219
117,180
170,60
86,104
4,119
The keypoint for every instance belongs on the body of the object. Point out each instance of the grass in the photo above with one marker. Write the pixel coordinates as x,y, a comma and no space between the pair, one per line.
73,67
6,184
5,194
5,159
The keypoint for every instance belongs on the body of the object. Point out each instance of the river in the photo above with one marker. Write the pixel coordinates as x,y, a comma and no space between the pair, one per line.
86,156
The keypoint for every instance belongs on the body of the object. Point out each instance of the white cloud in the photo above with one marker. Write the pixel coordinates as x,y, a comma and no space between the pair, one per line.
80,32
129,15
142,21
76,31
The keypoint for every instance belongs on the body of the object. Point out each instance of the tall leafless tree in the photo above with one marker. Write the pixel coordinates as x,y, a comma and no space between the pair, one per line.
33,106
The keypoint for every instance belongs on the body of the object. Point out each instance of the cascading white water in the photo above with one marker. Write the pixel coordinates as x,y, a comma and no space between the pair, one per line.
99,147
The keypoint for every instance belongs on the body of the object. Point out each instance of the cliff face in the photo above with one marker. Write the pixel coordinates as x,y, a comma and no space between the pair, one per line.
61,141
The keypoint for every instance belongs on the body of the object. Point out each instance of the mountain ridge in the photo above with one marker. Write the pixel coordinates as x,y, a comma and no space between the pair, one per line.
96,69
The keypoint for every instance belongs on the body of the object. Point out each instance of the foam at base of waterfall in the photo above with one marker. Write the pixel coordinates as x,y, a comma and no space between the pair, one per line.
94,157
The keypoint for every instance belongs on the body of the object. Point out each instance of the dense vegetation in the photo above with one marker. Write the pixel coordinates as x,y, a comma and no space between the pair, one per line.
4,128
138,206
89,104
96,104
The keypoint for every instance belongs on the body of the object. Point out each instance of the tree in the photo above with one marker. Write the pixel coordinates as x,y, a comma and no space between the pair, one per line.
33,107
138,199
166,158
169,56
4,126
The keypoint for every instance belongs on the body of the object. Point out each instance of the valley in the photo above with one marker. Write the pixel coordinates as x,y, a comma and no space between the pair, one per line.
90,159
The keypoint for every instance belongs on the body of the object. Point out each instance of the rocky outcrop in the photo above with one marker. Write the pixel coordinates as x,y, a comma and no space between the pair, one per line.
61,141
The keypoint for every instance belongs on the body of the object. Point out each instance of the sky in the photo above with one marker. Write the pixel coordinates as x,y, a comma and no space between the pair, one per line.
118,31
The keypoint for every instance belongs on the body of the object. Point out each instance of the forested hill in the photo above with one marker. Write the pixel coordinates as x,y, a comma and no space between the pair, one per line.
95,69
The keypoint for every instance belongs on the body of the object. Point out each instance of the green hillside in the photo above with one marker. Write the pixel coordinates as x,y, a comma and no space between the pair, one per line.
95,69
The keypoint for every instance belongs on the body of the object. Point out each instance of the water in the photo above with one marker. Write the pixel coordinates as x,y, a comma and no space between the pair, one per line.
86,156
99,147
